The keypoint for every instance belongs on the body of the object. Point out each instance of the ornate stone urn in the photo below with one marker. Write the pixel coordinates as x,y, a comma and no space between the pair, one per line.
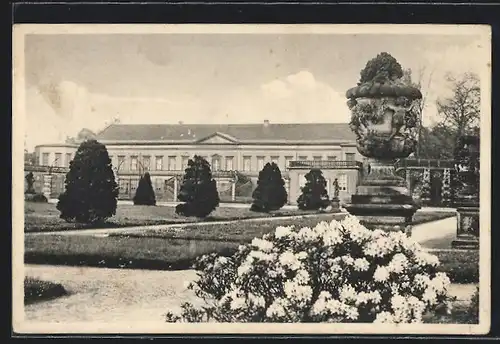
466,186
385,119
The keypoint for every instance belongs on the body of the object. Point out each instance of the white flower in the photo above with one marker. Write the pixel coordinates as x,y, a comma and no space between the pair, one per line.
237,303
277,308
290,260
424,258
347,293
384,317
398,263
301,255
260,255
302,277
263,245
381,274
297,292
440,283
429,296
243,269
421,281
282,231
348,260
380,247
361,264
306,234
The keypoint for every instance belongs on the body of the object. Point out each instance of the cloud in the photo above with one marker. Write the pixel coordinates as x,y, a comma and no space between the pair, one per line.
300,97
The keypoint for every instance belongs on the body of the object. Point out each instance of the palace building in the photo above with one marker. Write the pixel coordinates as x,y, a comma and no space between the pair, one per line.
236,152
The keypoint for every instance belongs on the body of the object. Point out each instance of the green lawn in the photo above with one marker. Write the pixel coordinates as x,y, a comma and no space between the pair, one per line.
120,252
44,217
36,290
169,250
239,232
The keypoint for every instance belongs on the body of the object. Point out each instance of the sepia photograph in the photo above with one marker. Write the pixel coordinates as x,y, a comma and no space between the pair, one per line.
308,179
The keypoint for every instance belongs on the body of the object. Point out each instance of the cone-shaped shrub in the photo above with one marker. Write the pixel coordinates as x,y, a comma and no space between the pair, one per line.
198,190
314,195
91,191
270,193
145,195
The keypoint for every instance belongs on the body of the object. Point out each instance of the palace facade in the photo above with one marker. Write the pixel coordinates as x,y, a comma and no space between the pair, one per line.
236,152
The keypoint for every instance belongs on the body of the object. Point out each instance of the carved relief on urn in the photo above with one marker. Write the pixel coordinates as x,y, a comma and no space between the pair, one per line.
384,110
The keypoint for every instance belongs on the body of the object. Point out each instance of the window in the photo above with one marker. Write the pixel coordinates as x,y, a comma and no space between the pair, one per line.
350,156
216,163
133,163
332,158
57,160
229,163
343,182
302,157
275,159
124,186
171,163
121,161
287,161
159,163
317,158
146,162
247,163
133,185
185,160
159,185
68,159
260,163
45,159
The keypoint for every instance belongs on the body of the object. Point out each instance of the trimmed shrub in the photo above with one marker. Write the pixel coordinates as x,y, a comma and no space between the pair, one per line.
37,290
381,68
30,180
91,190
270,193
38,198
198,190
314,195
145,195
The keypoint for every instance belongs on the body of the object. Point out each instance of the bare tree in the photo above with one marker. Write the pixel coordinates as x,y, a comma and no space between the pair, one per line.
423,83
461,111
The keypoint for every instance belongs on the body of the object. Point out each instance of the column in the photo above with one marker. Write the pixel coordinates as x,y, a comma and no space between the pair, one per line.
47,185
408,179
287,188
426,186
446,188
175,189
233,190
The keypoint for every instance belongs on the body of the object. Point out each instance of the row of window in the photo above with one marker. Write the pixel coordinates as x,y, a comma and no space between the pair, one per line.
59,160
216,162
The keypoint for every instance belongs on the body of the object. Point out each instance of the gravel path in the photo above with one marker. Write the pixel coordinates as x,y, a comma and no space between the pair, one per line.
109,295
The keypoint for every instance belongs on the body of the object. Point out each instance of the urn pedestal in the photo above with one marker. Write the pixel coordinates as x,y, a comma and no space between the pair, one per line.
385,123
382,200
467,193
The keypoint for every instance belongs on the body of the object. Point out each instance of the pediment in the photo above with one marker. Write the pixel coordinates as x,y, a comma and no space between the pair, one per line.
218,138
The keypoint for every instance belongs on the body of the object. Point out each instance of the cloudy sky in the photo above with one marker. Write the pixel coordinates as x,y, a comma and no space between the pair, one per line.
86,80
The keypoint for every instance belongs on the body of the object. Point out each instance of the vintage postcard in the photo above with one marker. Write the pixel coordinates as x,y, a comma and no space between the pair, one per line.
279,179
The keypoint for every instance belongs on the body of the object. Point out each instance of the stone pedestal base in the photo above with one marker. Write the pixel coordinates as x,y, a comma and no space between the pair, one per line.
467,227
383,201
47,185
335,203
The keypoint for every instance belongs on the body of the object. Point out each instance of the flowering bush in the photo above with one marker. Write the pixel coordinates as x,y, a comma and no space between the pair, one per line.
334,272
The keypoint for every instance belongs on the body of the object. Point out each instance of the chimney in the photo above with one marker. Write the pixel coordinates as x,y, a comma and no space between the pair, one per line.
266,123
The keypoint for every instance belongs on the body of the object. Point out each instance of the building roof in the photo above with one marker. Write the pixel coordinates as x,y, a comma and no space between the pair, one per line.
237,133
